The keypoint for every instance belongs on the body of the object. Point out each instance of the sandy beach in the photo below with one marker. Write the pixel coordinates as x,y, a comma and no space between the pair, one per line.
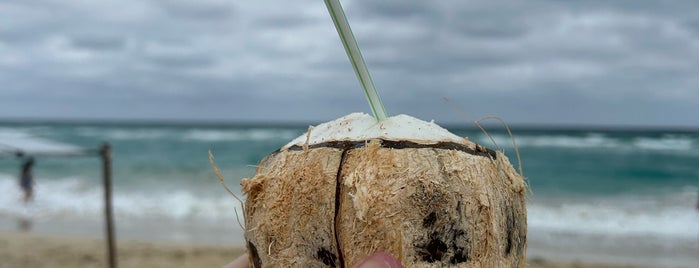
34,250
40,250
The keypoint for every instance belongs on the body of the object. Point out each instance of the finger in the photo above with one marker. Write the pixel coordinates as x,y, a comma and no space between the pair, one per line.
240,262
378,260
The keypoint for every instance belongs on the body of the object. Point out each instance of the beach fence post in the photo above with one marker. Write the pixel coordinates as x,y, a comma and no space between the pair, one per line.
106,153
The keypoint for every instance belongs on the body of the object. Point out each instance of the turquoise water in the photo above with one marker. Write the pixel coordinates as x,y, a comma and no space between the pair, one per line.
624,184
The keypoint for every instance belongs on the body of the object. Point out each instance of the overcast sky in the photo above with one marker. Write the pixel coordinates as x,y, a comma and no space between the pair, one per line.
530,62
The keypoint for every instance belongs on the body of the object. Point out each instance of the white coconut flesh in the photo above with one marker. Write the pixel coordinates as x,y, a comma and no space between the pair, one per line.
363,127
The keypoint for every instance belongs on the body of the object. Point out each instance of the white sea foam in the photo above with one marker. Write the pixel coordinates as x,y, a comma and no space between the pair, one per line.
125,133
13,139
193,134
670,216
620,217
73,197
667,142
239,135
593,141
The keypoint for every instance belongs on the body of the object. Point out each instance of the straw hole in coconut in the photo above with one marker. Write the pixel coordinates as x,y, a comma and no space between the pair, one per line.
327,257
256,262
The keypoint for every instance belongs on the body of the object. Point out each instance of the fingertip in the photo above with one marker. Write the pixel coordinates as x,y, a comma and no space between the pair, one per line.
379,260
240,262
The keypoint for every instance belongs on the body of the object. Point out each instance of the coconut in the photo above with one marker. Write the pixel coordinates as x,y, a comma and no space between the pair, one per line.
354,186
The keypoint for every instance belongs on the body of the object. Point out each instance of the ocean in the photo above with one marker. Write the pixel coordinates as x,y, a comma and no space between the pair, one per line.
615,195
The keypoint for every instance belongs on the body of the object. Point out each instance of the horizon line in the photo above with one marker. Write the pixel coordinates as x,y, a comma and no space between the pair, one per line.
303,123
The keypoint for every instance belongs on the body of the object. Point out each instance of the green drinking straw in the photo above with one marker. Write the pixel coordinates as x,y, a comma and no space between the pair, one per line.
355,57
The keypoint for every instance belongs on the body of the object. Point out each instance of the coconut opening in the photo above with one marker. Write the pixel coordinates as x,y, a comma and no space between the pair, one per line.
362,127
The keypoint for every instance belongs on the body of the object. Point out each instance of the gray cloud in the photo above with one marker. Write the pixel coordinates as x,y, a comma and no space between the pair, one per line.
97,42
539,62
199,10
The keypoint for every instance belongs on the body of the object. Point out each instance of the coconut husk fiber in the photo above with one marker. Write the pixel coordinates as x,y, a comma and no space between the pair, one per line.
438,204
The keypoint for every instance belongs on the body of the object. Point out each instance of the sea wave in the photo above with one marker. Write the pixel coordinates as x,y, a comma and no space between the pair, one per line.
189,134
240,135
671,216
594,141
668,142
75,197
14,139
125,133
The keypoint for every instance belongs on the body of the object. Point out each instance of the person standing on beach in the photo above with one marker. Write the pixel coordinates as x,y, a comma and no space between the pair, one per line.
26,180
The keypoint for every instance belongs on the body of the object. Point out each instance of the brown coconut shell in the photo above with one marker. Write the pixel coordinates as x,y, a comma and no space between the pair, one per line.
430,205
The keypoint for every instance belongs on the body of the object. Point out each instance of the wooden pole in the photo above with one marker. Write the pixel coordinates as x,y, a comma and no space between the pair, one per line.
106,153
